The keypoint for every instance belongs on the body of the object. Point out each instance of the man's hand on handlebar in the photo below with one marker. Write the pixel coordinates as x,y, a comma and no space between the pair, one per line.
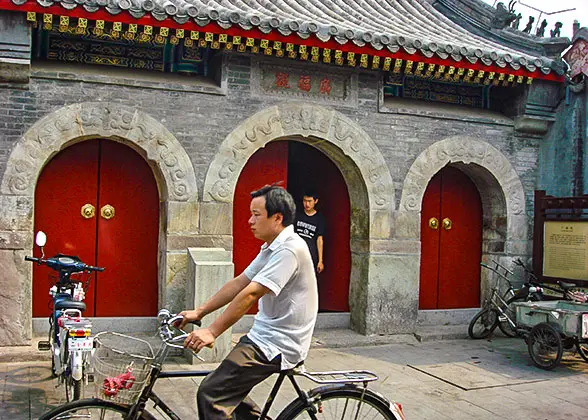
198,339
190,317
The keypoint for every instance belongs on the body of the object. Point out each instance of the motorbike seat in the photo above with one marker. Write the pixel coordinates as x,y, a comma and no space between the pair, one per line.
70,304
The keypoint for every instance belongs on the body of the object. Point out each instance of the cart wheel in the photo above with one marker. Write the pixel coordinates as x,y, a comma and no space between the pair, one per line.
545,347
583,350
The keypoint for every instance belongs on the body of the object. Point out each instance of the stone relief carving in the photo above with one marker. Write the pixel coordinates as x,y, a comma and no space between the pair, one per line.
294,120
466,150
48,136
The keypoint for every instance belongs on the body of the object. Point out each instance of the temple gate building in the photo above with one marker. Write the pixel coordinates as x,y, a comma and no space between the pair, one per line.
132,132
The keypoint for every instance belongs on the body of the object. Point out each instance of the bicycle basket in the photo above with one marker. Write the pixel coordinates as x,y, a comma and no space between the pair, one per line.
120,375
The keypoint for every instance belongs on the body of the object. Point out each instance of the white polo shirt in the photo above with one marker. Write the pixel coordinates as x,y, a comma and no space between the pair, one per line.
285,320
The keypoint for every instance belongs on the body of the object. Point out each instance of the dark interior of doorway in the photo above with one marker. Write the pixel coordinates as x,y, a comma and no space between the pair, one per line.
308,167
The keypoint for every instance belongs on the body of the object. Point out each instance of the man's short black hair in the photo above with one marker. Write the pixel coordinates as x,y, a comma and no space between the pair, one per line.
277,200
310,192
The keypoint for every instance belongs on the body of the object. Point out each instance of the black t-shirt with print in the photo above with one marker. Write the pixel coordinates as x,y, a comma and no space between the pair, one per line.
310,228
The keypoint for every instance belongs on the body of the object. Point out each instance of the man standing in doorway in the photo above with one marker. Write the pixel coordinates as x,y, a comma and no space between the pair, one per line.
310,225
282,280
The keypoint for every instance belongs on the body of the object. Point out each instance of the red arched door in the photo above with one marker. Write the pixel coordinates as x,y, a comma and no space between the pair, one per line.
299,166
100,173
450,251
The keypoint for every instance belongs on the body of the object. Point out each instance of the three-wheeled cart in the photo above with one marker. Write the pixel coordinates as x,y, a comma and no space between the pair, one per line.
552,326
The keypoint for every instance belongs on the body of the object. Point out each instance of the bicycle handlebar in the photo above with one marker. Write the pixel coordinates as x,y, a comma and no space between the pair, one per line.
170,334
64,263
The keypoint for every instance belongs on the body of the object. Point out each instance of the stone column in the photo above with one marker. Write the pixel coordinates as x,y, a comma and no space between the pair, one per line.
208,270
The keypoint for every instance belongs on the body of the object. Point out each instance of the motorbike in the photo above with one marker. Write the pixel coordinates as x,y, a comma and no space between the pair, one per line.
69,338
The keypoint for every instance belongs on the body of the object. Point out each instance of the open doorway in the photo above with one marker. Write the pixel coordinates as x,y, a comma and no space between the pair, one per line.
300,166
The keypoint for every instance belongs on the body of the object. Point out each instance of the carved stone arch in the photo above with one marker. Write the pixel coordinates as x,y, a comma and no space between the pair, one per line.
485,164
105,120
74,123
308,121
369,184
505,223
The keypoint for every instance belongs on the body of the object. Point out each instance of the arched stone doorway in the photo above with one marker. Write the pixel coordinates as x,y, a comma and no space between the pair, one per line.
172,168
505,224
371,195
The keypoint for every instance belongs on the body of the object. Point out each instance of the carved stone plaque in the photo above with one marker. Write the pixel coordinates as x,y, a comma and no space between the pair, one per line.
305,83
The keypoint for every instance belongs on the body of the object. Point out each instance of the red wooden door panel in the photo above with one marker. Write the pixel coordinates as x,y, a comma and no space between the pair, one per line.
266,166
127,243
67,182
101,172
461,246
450,258
309,167
430,238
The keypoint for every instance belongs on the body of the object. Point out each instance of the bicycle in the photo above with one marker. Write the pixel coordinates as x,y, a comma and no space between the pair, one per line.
342,394
69,333
499,310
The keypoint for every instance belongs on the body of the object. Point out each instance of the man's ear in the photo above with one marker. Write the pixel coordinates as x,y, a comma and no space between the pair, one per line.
279,217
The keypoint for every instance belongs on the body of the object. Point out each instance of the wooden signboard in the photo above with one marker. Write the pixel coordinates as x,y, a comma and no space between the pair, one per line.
560,246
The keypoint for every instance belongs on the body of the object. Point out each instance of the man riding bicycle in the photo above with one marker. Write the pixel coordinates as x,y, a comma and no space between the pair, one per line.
282,279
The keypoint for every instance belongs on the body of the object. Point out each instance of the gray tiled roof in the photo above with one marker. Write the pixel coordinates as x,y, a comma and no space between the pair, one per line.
409,25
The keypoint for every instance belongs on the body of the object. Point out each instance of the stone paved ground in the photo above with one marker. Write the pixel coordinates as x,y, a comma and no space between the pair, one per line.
448,379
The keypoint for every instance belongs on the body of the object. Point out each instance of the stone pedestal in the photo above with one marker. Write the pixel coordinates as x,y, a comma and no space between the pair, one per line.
208,270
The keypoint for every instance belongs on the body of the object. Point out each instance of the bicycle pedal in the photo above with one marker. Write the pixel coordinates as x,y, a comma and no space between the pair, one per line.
43,346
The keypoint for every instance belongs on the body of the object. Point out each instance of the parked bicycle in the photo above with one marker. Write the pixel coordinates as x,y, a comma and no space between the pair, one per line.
499,309
69,333
126,370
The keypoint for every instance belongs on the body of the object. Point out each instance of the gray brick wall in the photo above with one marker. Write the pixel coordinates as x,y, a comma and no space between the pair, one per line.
201,121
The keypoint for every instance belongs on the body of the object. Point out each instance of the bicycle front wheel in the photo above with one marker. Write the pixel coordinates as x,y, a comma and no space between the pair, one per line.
510,311
341,402
483,323
87,409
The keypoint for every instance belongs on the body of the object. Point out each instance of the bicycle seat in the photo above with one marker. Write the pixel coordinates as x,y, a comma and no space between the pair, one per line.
70,304
566,286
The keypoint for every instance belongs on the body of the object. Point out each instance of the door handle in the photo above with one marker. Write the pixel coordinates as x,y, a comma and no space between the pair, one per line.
88,211
447,223
107,212
434,223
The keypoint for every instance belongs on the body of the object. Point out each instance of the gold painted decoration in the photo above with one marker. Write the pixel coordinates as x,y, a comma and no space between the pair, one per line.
223,38
302,49
520,79
63,20
99,24
314,51
408,67
267,51
163,31
188,42
279,53
529,80
264,43
250,42
194,35
174,40
277,45
236,40
289,47
132,28
376,62
241,48
180,33
117,26
215,45
31,17
47,18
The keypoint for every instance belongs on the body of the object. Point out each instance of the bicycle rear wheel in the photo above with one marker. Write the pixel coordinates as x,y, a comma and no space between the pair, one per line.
87,409
341,402
483,323
545,346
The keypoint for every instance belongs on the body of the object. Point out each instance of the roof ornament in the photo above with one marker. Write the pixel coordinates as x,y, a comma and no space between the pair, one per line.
529,26
556,31
541,29
503,17
517,21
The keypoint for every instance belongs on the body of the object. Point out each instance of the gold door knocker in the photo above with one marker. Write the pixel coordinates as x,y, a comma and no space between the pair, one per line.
447,223
433,223
88,211
107,212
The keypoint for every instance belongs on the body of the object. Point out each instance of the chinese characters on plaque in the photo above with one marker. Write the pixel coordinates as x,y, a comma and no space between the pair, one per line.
298,82
565,250
305,82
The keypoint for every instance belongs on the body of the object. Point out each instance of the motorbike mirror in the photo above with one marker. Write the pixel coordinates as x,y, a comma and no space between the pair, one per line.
41,238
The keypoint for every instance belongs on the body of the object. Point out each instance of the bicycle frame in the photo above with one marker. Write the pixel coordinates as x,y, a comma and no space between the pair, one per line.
156,373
